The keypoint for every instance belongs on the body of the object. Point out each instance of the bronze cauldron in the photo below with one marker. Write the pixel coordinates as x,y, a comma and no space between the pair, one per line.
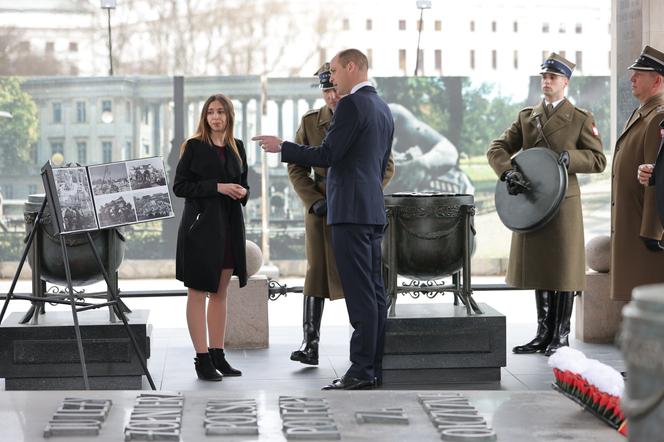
427,233
84,267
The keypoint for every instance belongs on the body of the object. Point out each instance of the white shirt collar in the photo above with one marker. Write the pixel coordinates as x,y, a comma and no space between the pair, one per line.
555,103
358,86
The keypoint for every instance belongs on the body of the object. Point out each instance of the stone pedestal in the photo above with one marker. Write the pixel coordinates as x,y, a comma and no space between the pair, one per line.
247,325
440,344
45,356
598,317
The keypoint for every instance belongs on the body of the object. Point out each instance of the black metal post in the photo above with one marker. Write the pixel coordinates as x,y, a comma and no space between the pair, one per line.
110,44
419,36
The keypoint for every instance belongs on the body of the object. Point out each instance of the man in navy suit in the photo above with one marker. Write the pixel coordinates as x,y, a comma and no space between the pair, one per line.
356,151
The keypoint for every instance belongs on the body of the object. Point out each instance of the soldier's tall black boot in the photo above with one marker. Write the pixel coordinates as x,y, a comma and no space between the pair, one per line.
544,301
564,305
312,315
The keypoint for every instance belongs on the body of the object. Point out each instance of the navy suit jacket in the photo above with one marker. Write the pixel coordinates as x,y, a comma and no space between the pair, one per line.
356,150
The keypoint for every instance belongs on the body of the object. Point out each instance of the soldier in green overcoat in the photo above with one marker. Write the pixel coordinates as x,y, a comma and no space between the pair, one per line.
637,255
321,280
551,260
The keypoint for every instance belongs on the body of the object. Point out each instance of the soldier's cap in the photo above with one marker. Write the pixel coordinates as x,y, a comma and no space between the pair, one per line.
323,74
650,60
557,65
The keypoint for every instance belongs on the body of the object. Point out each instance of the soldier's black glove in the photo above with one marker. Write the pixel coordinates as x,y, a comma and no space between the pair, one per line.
319,208
515,181
564,159
652,244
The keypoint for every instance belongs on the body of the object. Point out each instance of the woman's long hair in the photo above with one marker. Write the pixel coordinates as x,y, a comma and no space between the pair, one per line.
204,131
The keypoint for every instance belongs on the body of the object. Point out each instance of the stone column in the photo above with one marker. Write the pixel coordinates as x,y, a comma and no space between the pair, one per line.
636,23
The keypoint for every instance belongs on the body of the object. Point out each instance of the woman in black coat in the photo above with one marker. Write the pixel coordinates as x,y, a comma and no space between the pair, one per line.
212,177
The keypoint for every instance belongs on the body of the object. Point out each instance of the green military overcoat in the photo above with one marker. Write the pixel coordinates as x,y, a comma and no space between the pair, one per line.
322,278
553,257
633,210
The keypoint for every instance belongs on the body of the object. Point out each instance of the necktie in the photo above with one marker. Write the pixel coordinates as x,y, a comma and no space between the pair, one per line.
549,109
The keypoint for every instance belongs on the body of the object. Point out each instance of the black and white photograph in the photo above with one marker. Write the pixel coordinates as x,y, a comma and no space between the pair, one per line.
114,210
109,178
75,199
146,173
152,204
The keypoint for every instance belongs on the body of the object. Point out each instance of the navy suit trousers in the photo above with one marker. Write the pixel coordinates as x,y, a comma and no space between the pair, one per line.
358,255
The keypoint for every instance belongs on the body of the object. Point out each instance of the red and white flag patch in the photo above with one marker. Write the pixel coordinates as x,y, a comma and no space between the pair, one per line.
595,130
661,133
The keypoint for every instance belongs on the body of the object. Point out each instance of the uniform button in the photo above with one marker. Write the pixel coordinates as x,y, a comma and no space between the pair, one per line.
612,203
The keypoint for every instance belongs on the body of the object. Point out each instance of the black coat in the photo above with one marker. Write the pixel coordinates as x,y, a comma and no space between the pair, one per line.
207,215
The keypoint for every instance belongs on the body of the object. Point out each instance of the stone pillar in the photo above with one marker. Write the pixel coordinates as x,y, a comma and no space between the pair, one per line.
636,23
296,116
244,122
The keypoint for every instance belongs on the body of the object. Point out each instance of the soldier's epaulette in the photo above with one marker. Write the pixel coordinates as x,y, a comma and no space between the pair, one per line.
583,111
659,109
527,109
310,113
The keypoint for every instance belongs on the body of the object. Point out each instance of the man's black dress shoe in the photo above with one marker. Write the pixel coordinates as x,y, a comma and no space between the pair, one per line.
349,383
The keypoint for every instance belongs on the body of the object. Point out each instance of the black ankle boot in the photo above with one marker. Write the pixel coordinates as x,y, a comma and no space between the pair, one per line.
564,306
219,361
205,369
545,302
312,313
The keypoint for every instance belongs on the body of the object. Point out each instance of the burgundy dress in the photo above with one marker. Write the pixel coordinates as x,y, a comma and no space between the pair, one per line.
229,261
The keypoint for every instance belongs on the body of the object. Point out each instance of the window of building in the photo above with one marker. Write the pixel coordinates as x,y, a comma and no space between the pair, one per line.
106,151
420,61
24,46
369,24
419,25
146,149
402,25
579,60
494,26
370,57
57,112
8,191
438,25
562,28
146,114
515,59
322,56
82,151
73,46
106,106
515,26
345,24
32,189
545,55
128,110
438,59
50,47
126,154
494,59
562,54
578,28
545,28
57,147
472,58
73,70
402,60
80,112
472,26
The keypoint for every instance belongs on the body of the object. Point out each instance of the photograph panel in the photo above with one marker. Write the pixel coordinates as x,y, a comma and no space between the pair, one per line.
152,204
116,209
146,173
109,178
75,199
